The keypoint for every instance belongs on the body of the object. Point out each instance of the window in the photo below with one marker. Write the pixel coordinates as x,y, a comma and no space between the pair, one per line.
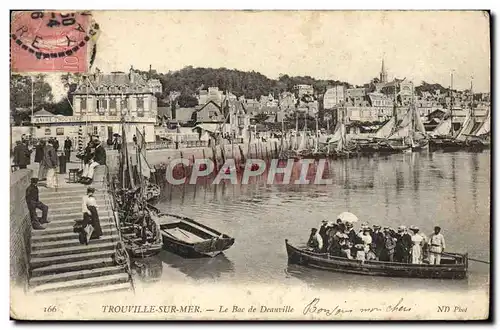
140,103
48,131
83,103
95,130
112,104
60,131
123,105
102,104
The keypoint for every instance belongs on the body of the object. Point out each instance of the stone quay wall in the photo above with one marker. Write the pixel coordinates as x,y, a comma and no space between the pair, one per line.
20,229
218,154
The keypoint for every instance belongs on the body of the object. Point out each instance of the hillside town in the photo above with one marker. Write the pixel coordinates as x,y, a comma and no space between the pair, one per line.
102,100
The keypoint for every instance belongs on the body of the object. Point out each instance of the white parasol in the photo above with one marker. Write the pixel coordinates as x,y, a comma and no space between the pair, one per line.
347,217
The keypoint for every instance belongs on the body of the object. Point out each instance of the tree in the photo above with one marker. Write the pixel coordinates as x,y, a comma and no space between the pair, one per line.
63,107
21,89
187,101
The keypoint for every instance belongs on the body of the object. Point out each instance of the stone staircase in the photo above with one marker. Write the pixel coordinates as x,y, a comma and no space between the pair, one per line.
60,263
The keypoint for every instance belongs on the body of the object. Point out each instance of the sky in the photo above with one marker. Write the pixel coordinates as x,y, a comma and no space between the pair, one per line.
339,45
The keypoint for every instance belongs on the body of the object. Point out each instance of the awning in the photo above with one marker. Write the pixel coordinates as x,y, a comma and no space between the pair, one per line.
208,127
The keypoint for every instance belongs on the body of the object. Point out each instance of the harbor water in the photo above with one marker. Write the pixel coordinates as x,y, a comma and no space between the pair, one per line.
425,189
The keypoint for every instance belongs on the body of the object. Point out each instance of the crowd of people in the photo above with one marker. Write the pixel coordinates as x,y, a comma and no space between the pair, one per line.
404,245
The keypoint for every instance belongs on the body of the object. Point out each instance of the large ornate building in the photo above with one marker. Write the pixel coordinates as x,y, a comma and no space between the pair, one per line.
100,102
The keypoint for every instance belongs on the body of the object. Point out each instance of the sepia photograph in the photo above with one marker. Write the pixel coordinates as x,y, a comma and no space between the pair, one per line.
250,165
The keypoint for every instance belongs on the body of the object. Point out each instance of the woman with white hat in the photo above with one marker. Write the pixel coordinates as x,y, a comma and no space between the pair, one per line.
416,249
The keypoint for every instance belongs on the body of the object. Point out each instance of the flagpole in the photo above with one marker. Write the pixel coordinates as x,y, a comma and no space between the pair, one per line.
32,96
32,130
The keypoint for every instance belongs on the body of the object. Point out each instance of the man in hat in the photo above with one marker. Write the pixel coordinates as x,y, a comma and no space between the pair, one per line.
33,202
437,246
378,241
403,244
51,161
313,241
323,235
21,155
389,244
98,158
67,148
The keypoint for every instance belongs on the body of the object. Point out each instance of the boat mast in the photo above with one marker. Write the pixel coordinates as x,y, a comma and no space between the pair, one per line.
413,114
472,101
317,135
282,131
451,104
296,129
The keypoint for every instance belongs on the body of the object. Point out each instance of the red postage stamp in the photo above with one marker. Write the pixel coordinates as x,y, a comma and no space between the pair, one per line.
43,41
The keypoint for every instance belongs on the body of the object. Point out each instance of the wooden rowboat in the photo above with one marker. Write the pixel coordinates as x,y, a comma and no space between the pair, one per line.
453,265
191,239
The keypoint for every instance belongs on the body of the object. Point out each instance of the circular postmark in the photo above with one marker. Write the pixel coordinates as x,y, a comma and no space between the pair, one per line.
52,34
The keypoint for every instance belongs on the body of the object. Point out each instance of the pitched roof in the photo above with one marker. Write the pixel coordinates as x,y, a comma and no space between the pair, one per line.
184,114
42,113
201,106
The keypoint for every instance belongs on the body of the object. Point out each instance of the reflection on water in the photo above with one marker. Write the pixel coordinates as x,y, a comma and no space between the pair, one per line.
198,268
147,269
451,190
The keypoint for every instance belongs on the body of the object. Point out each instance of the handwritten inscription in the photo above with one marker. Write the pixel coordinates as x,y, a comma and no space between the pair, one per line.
315,307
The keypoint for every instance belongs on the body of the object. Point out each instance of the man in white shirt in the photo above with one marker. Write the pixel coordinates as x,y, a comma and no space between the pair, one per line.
437,246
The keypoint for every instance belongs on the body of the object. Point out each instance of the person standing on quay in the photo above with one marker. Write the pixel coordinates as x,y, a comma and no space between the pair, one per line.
91,216
67,148
437,246
40,158
34,203
55,144
21,155
51,161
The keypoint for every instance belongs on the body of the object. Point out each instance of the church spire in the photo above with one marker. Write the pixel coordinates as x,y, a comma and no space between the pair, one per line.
383,73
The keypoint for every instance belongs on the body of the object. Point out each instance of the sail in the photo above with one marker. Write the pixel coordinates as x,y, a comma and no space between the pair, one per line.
403,129
331,138
402,132
145,168
466,128
484,128
443,128
418,124
406,119
385,130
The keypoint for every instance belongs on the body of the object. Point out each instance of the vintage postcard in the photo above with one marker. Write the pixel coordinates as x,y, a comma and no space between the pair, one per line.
250,165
